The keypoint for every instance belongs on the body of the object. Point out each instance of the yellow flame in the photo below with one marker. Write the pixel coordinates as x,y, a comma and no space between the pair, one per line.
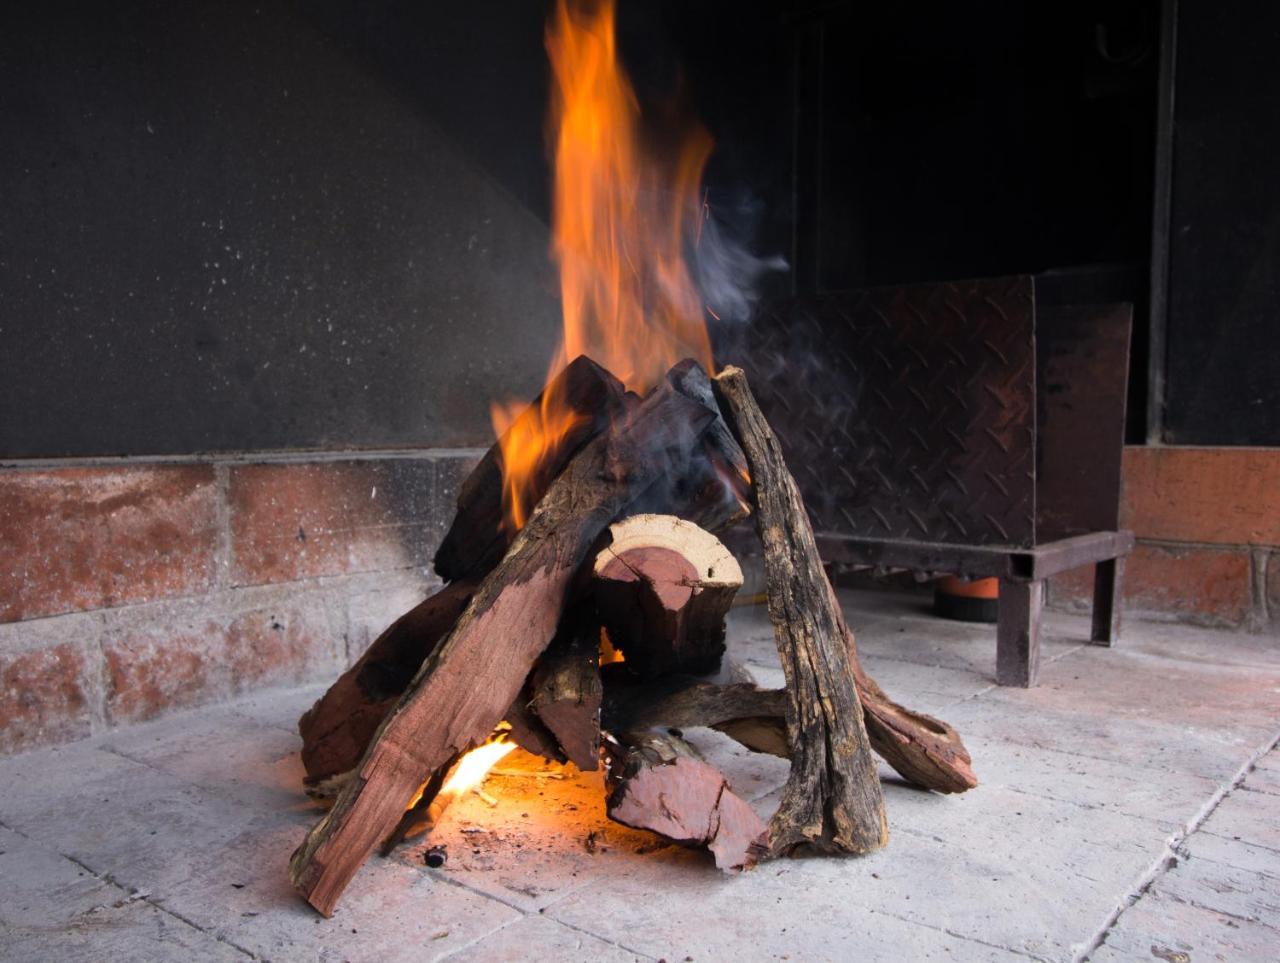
474,766
623,214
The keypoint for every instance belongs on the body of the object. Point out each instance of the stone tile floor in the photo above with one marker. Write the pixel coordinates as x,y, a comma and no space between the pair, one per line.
1128,811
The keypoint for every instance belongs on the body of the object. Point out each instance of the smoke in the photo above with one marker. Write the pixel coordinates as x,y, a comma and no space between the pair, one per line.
727,273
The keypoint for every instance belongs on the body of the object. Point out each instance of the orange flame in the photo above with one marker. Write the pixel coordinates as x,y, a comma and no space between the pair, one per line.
621,217
527,435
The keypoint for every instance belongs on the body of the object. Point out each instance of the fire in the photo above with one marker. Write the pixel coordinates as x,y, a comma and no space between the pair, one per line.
474,766
623,215
525,443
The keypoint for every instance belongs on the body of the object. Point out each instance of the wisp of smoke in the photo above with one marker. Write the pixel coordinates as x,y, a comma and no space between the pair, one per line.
725,270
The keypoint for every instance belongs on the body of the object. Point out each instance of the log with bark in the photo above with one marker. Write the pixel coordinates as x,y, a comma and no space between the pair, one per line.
657,781
832,800
713,491
923,750
337,729
663,587
753,716
460,693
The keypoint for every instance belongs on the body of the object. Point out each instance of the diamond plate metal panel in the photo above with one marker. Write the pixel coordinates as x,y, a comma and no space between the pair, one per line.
908,412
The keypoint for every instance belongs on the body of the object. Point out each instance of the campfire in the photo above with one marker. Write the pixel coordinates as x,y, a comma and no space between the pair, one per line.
583,612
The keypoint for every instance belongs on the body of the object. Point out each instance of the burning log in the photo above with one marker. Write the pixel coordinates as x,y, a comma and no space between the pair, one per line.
446,784
567,691
832,799
663,587
462,690
660,783
713,492
337,729
479,535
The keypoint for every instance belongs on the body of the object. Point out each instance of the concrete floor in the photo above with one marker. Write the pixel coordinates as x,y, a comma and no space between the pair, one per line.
1128,811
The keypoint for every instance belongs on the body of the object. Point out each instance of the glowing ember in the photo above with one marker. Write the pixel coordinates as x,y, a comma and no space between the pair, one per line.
622,215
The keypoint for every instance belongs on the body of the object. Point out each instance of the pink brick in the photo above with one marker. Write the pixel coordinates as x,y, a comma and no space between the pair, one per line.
296,521
282,647
1226,496
88,538
159,668
149,673
43,698
1199,584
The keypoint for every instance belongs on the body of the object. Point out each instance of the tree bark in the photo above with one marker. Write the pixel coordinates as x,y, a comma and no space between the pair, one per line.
658,782
923,750
832,800
753,716
663,587
462,690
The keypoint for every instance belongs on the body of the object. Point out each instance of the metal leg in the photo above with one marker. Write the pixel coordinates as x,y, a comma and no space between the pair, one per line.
1108,578
1018,633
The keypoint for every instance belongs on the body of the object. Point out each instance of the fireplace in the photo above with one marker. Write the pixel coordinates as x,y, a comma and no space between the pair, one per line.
333,359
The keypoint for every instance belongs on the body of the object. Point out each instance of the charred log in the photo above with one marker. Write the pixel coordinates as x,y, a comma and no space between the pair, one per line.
753,716
479,535
567,691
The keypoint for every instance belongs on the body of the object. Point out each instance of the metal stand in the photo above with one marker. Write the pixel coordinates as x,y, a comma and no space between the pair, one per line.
1021,571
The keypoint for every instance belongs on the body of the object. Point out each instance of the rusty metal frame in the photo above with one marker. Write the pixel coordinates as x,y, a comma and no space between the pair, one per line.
919,420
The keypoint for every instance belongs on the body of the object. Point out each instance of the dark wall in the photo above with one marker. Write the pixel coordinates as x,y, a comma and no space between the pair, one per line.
322,225
954,140
1223,327
230,226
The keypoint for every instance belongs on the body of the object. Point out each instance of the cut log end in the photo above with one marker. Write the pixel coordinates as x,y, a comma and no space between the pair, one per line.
663,587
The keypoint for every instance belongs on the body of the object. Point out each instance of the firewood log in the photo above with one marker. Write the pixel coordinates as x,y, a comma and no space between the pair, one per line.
662,588
832,800
753,716
478,537
528,731
462,690
923,750
567,691
337,729
657,781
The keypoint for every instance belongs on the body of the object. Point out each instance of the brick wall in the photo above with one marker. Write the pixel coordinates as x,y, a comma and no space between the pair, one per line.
128,589
1208,527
